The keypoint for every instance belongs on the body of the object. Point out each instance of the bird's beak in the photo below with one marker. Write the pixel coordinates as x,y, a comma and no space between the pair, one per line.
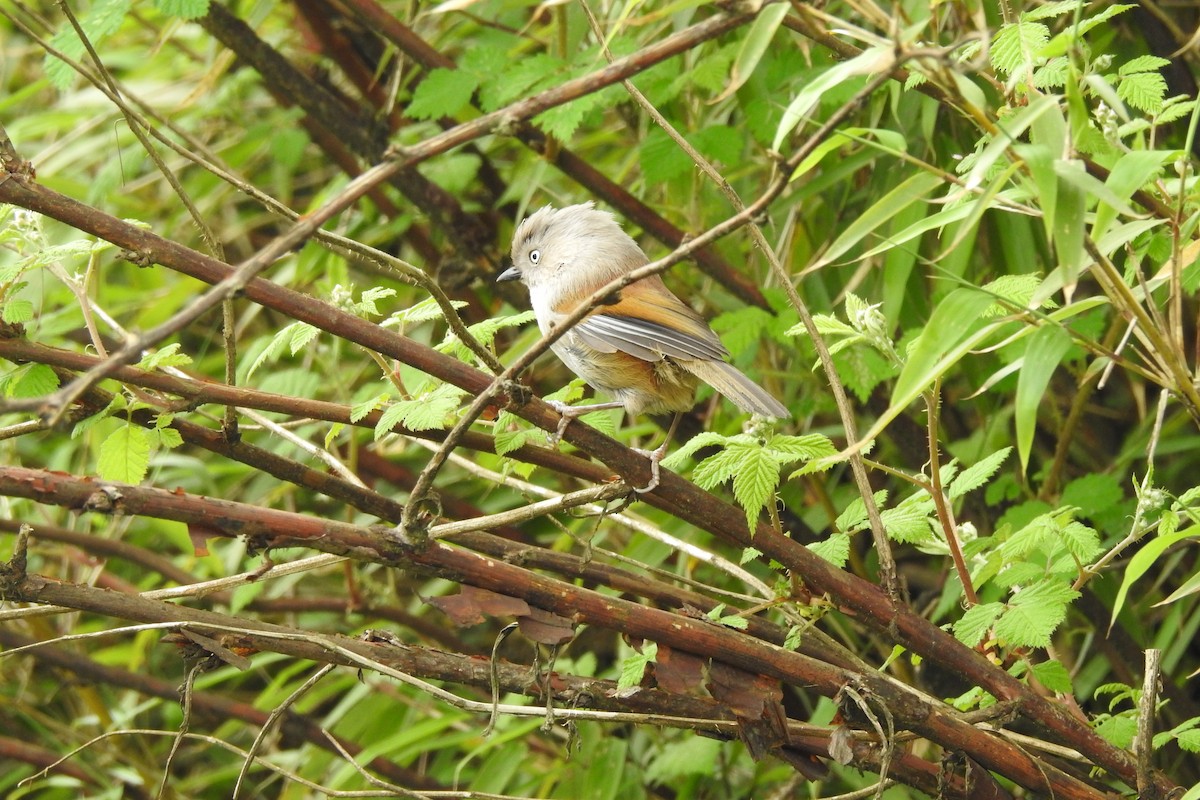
510,274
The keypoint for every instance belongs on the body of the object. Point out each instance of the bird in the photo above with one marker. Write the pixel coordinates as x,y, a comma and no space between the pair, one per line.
647,349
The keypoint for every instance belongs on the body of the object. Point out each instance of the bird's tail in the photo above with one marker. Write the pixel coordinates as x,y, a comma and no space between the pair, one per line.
741,391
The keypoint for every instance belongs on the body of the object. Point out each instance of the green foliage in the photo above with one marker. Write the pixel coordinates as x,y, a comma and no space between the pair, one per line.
633,667
752,462
999,253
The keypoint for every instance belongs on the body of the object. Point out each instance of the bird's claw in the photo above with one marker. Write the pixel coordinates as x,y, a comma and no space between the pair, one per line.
565,416
655,456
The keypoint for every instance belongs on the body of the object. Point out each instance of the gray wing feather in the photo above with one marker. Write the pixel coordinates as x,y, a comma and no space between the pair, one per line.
648,341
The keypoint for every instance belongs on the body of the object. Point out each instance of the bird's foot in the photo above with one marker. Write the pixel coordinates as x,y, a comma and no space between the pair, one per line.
655,456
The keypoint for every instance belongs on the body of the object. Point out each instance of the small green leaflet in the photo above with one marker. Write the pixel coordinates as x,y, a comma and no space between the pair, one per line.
124,455
634,667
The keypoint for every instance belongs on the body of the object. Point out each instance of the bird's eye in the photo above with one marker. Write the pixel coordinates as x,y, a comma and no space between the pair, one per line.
535,256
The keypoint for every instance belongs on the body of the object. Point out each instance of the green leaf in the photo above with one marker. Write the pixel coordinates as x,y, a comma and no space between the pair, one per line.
976,621
104,18
974,477
634,667
754,480
1118,730
742,330
888,141
509,433
716,469
362,409
757,40
427,309
1053,9
1093,493
911,190
1143,64
1132,171
909,522
854,518
660,158
1054,676
168,356
867,62
279,342
1144,91
1043,353
1069,223
442,93
1018,44
809,447
17,311
29,380
676,761
1145,558
124,455
184,9
1034,613
835,549
951,323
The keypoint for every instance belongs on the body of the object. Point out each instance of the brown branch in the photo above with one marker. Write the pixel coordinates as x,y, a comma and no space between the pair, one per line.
674,495
270,528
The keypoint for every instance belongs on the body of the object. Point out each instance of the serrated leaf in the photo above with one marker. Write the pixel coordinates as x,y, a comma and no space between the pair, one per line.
17,311
442,93
1018,44
976,621
430,410
1034,613
754,481
1080,541
1143,90
809,447
1016,290
168,356
509,433
634,667
1054,676
183,9
561,122
275,348
1143,64
168,438
1189,741
716,469
392,416
909,523
1118,730
708,438
975,476
31,380
104,18
421,312
124,455
360,410
854,518
742,330
835,549
1050,10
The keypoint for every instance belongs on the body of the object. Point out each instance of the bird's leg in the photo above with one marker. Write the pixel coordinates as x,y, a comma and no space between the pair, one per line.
567,413
657,455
